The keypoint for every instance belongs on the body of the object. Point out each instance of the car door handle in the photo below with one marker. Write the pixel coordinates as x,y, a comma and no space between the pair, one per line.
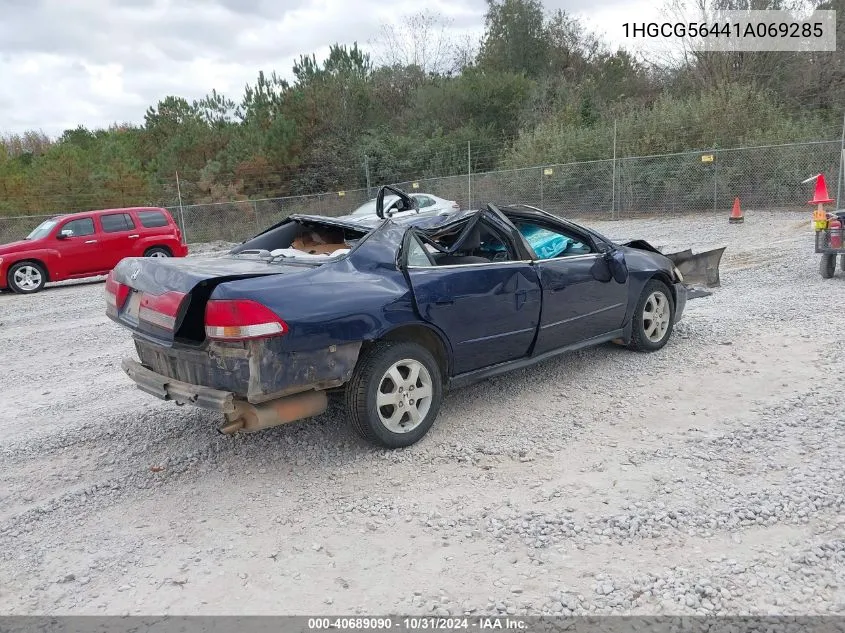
90,241
444,302
132,237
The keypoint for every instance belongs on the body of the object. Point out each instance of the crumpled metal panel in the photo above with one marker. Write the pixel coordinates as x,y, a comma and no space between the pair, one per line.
257,370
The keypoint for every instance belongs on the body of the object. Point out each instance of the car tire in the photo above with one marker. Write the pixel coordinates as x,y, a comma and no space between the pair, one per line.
26,278
827,266
654,318
157,251
383,375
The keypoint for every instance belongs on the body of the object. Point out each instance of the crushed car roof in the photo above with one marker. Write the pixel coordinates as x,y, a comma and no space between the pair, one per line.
368,222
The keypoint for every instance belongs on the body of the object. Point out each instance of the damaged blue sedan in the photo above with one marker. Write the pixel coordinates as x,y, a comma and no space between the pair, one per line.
389,313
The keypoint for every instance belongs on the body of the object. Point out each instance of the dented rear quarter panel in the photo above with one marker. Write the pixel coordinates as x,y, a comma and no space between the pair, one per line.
358,298
330,311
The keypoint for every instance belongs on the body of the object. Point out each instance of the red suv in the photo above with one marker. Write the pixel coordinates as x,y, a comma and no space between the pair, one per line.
86,245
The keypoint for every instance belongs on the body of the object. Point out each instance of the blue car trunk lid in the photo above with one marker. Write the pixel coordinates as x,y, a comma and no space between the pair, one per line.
156,297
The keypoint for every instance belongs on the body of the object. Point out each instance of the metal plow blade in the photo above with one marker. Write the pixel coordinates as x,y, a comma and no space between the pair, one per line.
700,269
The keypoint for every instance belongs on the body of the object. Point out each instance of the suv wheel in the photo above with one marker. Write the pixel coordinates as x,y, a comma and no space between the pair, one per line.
157,251
26,277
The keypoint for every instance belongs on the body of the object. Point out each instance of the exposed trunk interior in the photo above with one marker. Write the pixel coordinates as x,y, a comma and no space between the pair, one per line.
300,238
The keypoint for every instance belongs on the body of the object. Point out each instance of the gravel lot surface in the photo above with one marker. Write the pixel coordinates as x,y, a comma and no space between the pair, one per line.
708,477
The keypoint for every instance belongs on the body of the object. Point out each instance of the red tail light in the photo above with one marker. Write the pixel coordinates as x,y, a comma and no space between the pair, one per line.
241,319
116,293
161,310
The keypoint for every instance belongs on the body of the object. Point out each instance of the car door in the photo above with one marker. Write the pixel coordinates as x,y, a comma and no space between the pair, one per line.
78,249
576,305
117,237
488,311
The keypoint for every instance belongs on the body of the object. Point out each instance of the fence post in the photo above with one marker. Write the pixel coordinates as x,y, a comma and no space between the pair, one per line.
469,175
255,215
715,178
367,173
841,179
542,201
181,209
613,177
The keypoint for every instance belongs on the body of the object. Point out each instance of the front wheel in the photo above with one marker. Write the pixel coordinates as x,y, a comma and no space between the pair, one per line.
654,318
157,251
395,393
26,277
827,266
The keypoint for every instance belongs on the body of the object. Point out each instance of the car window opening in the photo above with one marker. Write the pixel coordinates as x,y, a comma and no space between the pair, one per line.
308,241
550,244
470,242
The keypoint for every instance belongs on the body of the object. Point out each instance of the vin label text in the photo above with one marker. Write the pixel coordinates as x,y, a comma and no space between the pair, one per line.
745,31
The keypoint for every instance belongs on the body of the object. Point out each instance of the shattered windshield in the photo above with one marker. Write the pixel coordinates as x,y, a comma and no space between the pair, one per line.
42,230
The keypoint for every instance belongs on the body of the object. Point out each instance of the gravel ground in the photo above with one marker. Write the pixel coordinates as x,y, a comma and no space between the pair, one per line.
705,478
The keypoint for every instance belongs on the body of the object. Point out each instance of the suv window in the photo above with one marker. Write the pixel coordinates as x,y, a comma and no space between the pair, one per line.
80,227
116,222
152,219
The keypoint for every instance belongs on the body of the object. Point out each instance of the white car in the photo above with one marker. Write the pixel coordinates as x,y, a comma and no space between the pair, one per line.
428,203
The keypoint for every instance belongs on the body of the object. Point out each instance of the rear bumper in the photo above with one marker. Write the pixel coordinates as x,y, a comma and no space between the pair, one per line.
240,415
257,371
167,388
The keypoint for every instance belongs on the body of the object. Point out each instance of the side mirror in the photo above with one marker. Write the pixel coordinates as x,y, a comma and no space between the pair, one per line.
616,263
64,234
611,265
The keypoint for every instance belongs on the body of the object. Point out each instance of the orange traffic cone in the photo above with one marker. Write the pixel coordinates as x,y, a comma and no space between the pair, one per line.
821,196
736,214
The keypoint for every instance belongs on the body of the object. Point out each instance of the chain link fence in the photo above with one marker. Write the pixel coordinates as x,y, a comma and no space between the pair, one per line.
767,177
236,221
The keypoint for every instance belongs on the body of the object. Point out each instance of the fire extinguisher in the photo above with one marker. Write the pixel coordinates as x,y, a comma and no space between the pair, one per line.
834,226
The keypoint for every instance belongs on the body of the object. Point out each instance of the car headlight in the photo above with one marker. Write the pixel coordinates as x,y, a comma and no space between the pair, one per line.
677,274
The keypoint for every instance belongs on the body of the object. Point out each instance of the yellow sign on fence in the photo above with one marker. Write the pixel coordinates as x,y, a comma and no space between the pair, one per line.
341,193
707,158
548,171
415,185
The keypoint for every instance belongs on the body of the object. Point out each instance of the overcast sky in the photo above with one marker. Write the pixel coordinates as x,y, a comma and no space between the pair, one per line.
96,62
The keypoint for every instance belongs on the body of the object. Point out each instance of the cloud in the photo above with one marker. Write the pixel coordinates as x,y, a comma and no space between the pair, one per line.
96,62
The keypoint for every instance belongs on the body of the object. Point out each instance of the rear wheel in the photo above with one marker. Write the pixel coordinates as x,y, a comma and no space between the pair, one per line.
26,277
653,318
395,394
827,266
157,251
